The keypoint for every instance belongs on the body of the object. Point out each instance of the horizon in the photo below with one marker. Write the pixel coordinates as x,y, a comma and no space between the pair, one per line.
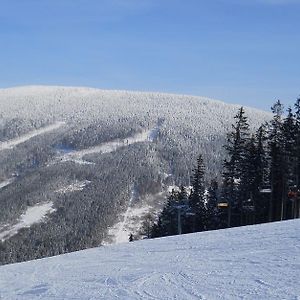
146,91
240,53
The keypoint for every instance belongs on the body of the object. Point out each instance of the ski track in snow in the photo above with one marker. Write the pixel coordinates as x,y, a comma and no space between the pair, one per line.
22,139
250,262
131,220
77,156
33,214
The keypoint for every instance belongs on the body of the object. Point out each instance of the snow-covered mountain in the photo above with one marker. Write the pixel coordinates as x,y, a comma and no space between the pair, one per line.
252,262
76,163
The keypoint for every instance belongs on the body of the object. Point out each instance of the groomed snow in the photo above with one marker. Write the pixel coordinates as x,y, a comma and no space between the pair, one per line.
32,215
131,221
77,156
6,182
24,138
253,262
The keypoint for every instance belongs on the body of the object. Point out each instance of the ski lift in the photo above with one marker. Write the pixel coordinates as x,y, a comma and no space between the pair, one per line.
265,191
293,192
248,205
223,205
265,188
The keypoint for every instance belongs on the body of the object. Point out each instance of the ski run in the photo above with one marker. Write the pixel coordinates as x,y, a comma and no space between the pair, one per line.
220,264
10,144
108,147
32,215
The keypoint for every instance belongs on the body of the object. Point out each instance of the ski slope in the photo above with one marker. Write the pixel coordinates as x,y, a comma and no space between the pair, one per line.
6,182
253,262
32,215
10,144
77,156
131,222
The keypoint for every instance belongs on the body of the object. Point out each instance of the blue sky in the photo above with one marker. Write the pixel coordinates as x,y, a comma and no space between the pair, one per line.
239,51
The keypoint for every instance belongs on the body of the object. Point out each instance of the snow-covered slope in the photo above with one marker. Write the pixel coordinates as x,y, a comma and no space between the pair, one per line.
82,149
254,262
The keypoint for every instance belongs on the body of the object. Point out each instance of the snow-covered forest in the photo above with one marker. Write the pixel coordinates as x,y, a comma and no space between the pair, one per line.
260,180
69,158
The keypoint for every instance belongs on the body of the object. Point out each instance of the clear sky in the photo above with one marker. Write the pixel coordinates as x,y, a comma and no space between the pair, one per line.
239,51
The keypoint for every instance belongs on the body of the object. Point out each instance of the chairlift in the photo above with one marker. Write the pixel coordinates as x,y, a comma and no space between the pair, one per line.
265,191
223,205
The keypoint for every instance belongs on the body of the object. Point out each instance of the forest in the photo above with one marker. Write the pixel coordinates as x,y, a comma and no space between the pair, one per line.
35,172
260,180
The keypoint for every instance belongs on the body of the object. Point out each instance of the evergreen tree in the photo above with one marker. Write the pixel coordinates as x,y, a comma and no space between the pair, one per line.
297,143
172,219
290,160
196,200
277,166
235,164
253,178
262,180
212,205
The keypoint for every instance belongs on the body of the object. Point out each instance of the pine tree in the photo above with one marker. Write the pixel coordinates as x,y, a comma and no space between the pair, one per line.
212,205
234,166
196,200
262,180
295,210
172,219
277,176
253,178
290,160
297,143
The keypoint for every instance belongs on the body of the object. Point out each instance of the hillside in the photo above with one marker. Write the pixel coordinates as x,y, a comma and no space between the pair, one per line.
77,162
252,262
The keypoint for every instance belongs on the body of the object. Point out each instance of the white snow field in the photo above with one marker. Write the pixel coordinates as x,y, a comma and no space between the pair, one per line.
24,138
252,262
32,215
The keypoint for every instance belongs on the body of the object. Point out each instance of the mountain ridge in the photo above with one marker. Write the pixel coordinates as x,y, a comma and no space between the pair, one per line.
55,138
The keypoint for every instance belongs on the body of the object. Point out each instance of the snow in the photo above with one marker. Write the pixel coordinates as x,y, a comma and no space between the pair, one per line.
24,138
74,187
32,215
130,222
251,262
266,191
6,182
77,156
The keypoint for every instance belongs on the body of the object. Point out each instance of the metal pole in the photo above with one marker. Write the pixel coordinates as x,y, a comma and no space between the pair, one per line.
179,219
229,215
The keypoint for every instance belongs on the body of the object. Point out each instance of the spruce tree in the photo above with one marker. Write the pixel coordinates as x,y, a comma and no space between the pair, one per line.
296,210
172,219
277,166
262,180
212,205
234,165
196,200
290,160
297,143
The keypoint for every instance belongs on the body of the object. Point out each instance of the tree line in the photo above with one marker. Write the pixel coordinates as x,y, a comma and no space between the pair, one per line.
260,180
